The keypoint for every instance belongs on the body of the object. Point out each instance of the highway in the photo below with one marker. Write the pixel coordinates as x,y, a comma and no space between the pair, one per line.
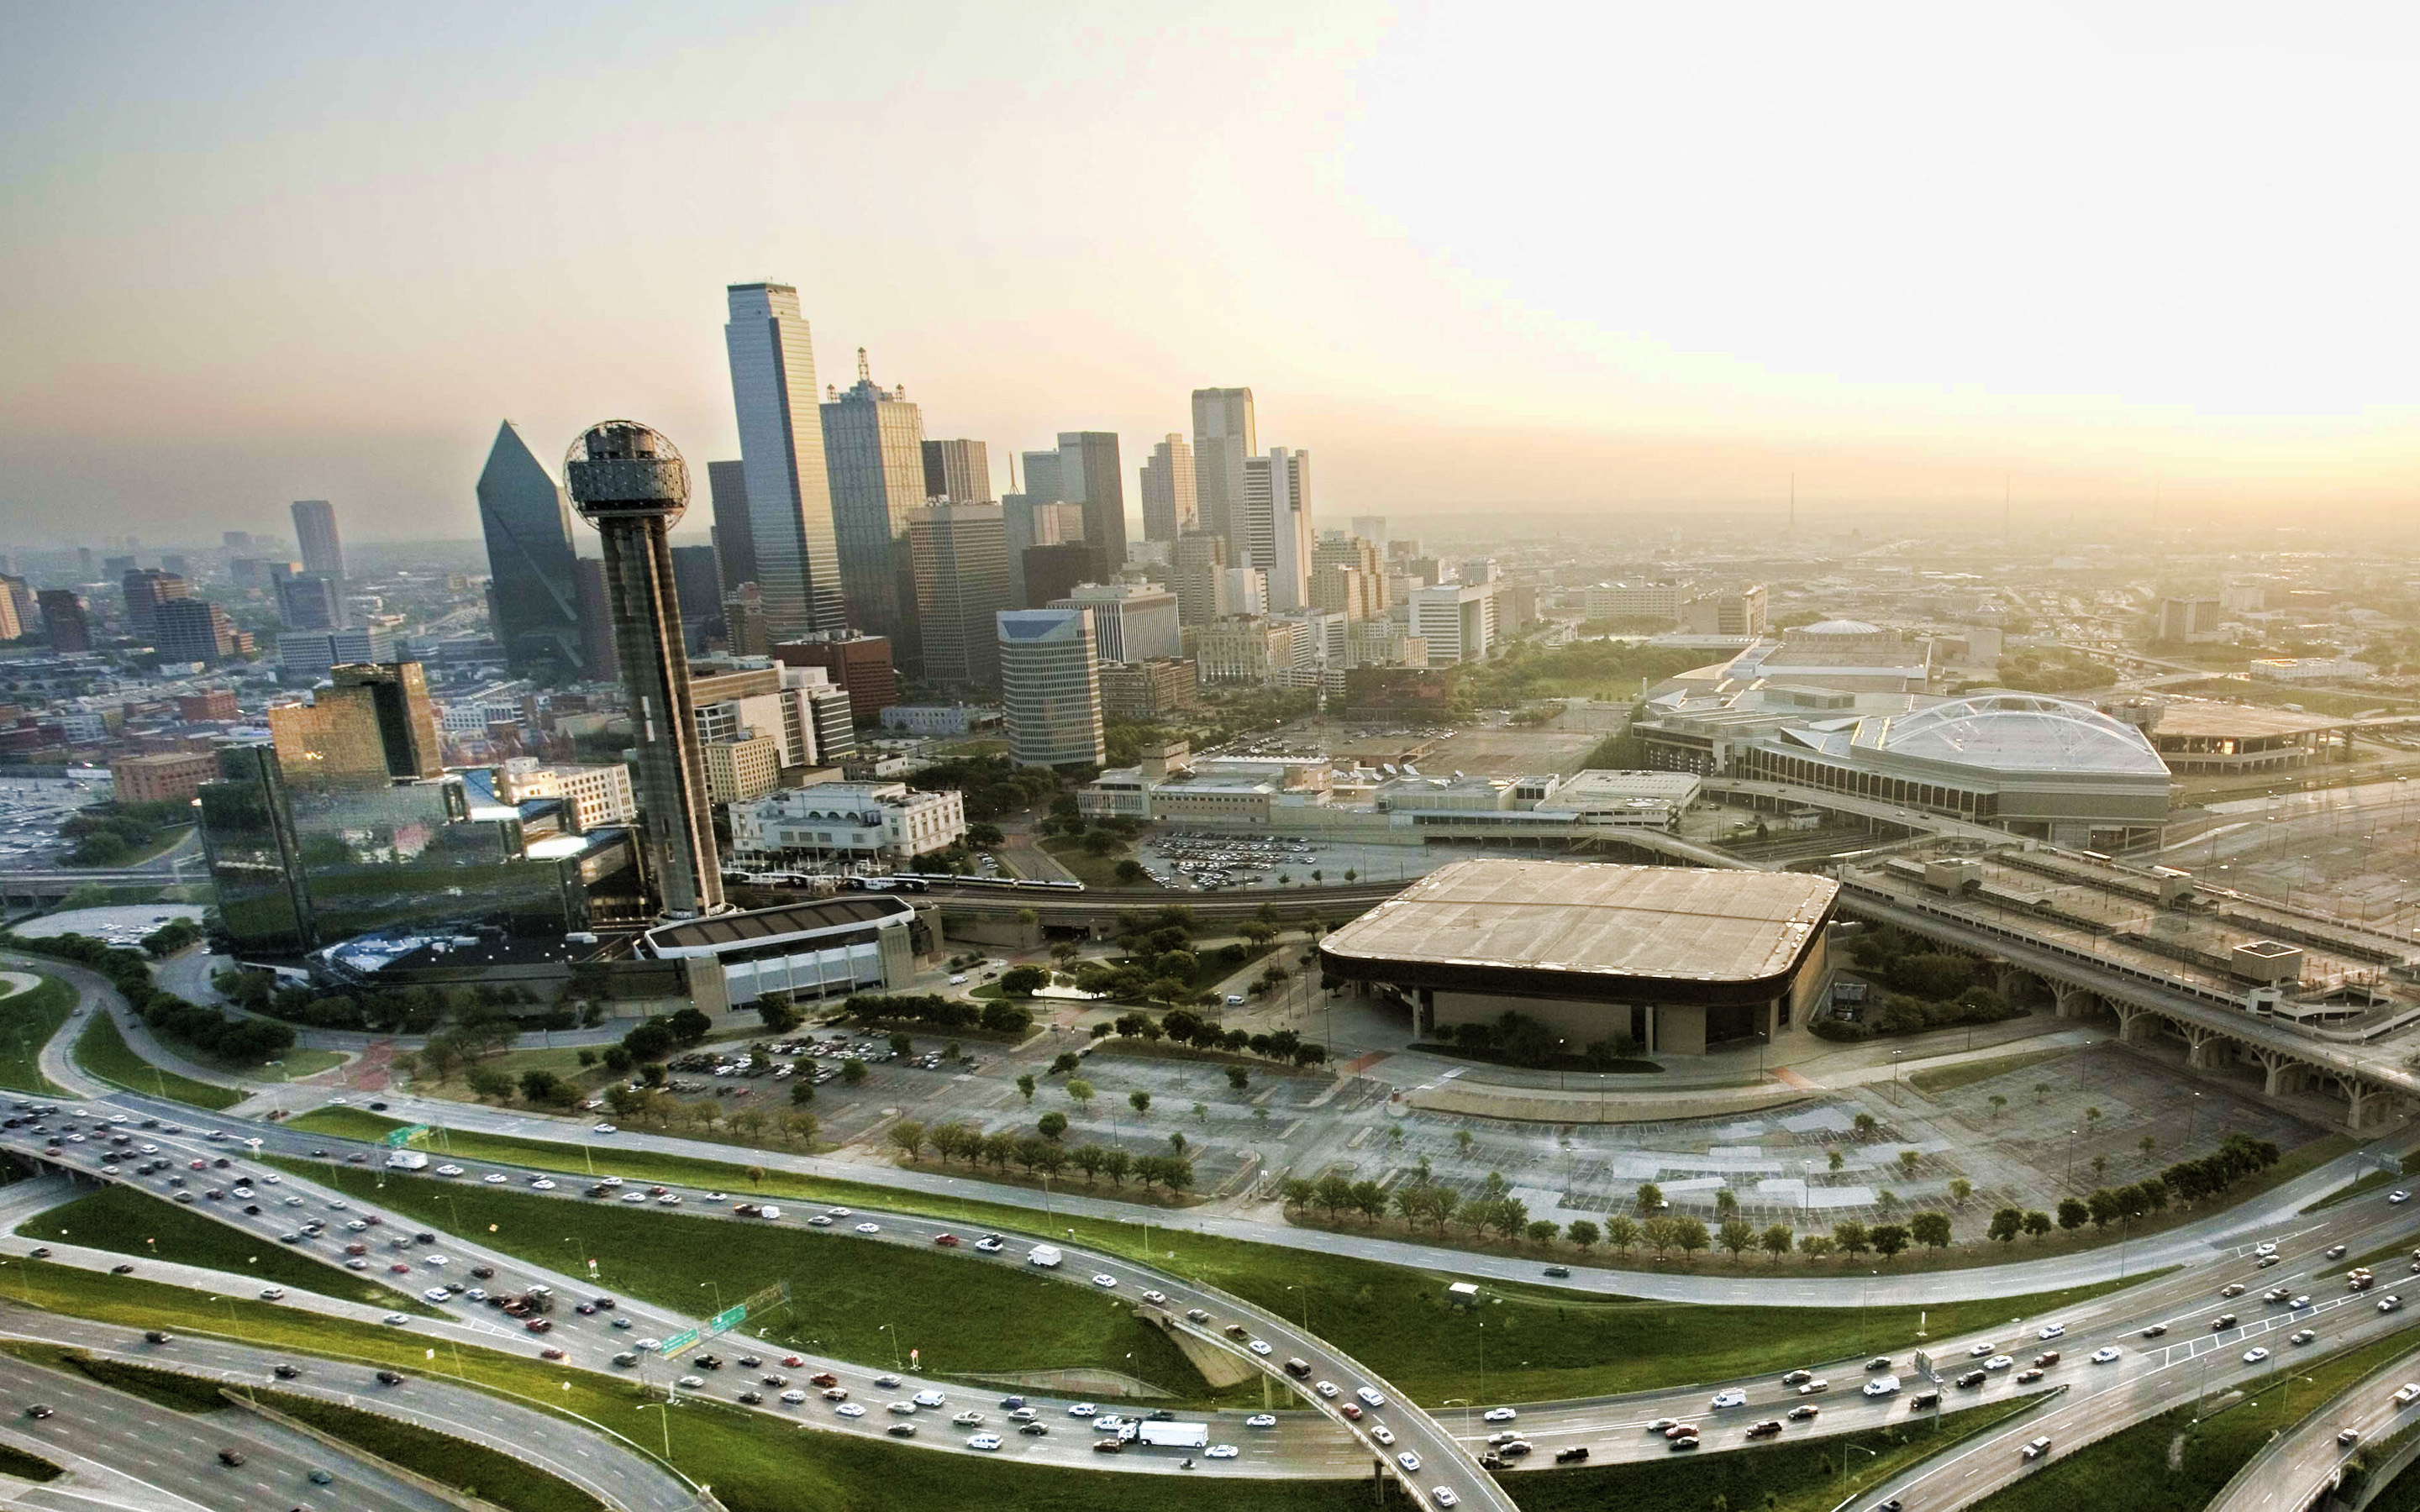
2293,1469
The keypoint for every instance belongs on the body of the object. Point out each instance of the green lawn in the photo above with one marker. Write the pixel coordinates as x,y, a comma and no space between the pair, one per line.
754,1462
1968,1073
850,1298
1090,869
471,1467
2374,1181
1543,1343
161,1388
1786,1476
104,1052
133,1221
2131,1468
28,1021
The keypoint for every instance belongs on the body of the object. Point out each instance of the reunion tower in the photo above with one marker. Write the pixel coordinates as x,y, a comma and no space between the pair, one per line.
628,482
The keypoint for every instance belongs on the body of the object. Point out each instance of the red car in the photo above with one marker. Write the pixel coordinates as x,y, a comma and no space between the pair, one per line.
201,1165
947,1241
792,1360
400,1269
823,1378
550,1353
539,1325
1352,1410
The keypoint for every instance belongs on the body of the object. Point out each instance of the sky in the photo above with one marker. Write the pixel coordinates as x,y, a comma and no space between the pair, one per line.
1565,260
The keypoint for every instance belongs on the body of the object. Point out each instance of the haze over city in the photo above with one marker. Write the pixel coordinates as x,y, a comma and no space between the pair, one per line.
1565,260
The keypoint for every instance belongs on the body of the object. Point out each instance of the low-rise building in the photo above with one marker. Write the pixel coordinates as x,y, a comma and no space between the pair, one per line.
170,777
830,948
1144,692
598,794
1244,648
741,768
886,822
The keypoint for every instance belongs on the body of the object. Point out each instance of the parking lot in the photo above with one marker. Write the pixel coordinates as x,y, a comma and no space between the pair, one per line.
1195,860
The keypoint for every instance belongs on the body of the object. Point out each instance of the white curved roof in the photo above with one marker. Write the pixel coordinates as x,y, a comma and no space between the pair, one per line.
2022,732
1840,627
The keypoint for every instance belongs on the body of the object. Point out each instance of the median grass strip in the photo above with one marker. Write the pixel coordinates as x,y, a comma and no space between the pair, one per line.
162,1388
755,1462
851,1298
474,1468
28,1021
2147,1469
17,1462
1785,1476
132,1222
1543,1343
2374,1181
104,1052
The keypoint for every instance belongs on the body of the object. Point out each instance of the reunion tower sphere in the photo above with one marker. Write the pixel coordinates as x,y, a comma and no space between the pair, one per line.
621,470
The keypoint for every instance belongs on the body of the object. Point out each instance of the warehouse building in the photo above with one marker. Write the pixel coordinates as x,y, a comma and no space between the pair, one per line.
1679,960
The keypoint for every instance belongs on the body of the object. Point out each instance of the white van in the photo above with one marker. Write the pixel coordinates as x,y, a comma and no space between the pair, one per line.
1882,1385
769,1211
1043,1254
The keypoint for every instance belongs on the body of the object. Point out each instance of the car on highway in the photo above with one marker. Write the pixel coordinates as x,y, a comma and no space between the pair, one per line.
984,1441
1083,1409
2266,1247
1798,1378
1880,1361
1804,1413
2155,1330
2037,1447
1817,1384
1733,1397
849,1409
1380,1432
1327,1388
2051,1330
869,1228
1981,1349
1506,1414
1571,1456
1370,1397
2255,1356
2347,1437
2390,1304
1261,1420
2106,1353
1971,1379
930,1398
2233,1289
1221,1451
2222,1322
1999,1361
1409,1461
1443,1496
2335,1251
2303,1336
2399,1196
1261,1348
1769,1428
1880,1386
1102,1278
2027,1377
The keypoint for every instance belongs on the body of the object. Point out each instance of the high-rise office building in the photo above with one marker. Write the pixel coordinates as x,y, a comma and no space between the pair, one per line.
312,652
1372,529
116,567
782,459
957,470
1052,572
1348,575
64,620
1131,622
14,596
960,553
533,590
146,590
315,529
861,664
874,448
194,629
1168,505
1051,687
1199,568
600,659
1089,476
697,578
1272,528
631,484
310,602
373,725
84,563
1020,505
734,538
1224,434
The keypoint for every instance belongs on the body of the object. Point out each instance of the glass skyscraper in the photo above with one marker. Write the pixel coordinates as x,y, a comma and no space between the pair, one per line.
533,598
874,447
781,460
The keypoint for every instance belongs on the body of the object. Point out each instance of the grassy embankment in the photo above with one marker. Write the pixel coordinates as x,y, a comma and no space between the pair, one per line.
103,1051
129,1221
28,1021
1542,1342
2145,1469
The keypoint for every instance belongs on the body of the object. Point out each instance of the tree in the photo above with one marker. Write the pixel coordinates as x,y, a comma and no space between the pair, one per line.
1025,1086
487,1082
1116,1163
2147,1144
2099,1166
1889,1239
1067,1060
1865,1124
909,1136
2073,1214
777,1013
1088,1159
1621,1232
541,1087
803,1127
1931,1228
1651,1198
1369,1200
1777,1241
2104,1207
1736,1235
2006,1223
1541,1230
802,1092
2037,1224
1238,1078
1836,1160
1658,1234
1582,1233
1726,1204
1024,981
1998,1101
690,1025
1140,1101
1332,1191
1081,1094
1690,1234
1851,1237
1959,1189
2041,1090
852,1071
617,1060
1052,1124
1815,1246
1907,1163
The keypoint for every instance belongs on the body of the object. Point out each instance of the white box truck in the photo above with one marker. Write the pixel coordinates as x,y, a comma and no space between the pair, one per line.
1043,1254
1169,1435
406,1159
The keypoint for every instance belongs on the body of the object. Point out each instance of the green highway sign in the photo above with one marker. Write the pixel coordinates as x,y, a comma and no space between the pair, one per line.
678,1342
729,1317
400,1137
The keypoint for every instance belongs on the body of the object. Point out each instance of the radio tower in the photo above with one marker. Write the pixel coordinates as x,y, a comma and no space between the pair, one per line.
628,482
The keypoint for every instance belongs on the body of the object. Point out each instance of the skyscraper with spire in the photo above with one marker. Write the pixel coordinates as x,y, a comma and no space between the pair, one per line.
781,460
533,590
874,449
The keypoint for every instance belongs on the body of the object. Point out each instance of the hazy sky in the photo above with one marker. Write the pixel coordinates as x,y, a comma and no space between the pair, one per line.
1564,258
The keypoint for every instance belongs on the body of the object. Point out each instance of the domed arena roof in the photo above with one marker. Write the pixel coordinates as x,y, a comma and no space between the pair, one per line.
2022,732
1840,627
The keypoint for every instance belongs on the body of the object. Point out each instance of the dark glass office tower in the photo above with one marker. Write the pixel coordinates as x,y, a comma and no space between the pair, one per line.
631,484
534,599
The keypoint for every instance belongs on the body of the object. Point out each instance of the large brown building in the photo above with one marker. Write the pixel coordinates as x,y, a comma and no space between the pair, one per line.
375,725
1144,692
858,663
208,706
167,778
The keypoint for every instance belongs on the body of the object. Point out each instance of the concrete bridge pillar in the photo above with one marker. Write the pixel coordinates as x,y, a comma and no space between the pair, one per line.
2073,1002
2015,982
2199,1051
2276,1065
2363,1105
2135,1025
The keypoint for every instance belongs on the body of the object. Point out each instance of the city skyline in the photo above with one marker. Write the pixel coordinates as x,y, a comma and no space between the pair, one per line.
2025,294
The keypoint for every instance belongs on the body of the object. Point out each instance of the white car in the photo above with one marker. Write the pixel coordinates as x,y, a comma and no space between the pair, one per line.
273,1293
2265,1247
1370,1397
394,1320
848,1409
1109,1423
1259,1347
438,1294
984,1441
604,1128
2398,1196
2255,1356
541,1184
793,1396
1383,1435
2053,1330
718,1197
958,980
1158,1299
1443,1496
1220,1451
634,1196
670,1199
691,1382
2037,1447
1999,1361
2105,1354
819,1221
1083,1409
1734,1398
929,1398
901,1409
1882,1386
1261,1420
496,1178
1500,1415
437,1260
869,1228
449,1170
1409,1461
1326,1388
1980,1350
1102,1278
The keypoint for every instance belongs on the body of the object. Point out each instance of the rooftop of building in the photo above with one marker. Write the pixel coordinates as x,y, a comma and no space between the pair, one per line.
1613,924
2214,718
763,925
2002,732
